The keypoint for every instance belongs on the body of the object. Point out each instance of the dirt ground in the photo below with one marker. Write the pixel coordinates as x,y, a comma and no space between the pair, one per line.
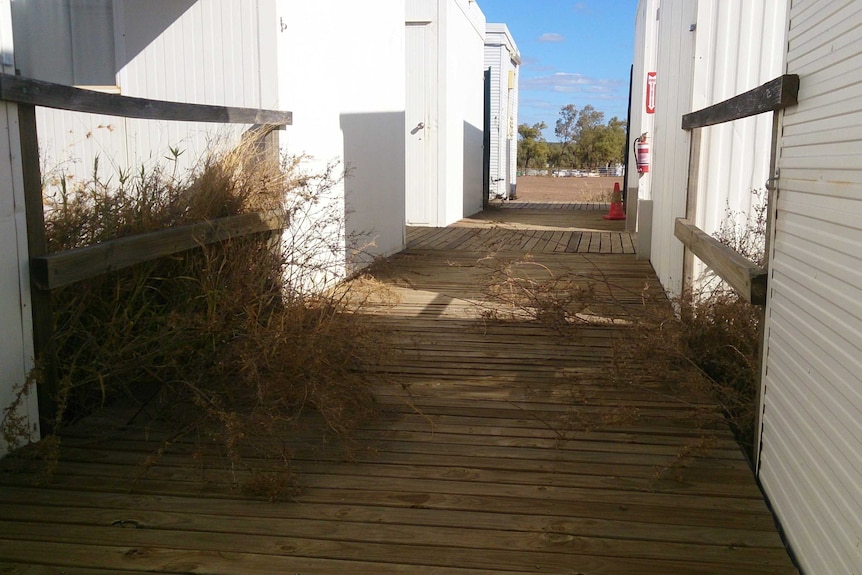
571,189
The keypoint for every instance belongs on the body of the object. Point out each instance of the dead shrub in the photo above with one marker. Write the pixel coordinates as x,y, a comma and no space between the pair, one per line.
229,342
522,289
710,335
706,341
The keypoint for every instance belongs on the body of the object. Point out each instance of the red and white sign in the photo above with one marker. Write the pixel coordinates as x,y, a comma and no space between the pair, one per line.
650,93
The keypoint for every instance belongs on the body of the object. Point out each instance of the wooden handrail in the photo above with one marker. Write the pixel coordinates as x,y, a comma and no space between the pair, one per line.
743,275
49,271
776,94
59,269
47,94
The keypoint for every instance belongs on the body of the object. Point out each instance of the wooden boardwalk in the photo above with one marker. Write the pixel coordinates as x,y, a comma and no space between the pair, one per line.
480,463
520,227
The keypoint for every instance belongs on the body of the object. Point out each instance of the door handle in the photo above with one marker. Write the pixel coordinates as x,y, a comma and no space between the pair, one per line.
419,126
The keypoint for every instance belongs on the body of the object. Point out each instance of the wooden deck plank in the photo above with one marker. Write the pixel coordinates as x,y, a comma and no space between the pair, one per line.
501,448
629,244
260,558
460,238
574,240
323,519
584,245
617,244
756,534
217,562
415,234
416,545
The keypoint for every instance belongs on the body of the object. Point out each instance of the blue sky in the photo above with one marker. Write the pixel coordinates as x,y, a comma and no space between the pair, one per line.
574,52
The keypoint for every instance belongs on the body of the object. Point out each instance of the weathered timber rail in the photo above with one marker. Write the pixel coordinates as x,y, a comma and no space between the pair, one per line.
471,469
747,278
49,271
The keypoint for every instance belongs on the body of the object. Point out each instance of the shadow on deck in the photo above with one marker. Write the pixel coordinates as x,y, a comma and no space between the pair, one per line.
473,468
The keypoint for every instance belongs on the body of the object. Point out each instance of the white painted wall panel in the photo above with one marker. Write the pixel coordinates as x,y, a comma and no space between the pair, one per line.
639,185
466,84
16,352
512,130
456,118
342,74
463,51
646,52
810,460
421,10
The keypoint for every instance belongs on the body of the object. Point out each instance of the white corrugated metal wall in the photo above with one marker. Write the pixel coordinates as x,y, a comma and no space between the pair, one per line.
810,460
639,186
494,61
501,56
707,51
208,52
670,145
218,52
16,352
739,46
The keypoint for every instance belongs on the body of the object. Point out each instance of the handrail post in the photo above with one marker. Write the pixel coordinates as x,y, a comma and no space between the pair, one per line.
692,185
37,245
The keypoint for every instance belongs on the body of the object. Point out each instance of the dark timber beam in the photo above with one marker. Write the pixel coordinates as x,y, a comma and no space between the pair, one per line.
61,97
776,94
743,275
63,268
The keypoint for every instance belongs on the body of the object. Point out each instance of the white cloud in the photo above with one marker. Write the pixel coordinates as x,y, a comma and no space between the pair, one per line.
552,37
566,83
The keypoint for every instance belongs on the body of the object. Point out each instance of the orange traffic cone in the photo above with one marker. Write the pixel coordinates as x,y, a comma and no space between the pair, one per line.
616,211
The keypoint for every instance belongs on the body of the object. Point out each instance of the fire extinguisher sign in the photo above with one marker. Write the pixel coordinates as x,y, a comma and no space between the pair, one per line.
650,93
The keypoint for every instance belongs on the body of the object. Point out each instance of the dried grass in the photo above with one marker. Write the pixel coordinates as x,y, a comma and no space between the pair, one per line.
705,341
230,342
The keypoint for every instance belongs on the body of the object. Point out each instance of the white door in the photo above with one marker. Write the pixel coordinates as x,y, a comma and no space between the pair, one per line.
421,175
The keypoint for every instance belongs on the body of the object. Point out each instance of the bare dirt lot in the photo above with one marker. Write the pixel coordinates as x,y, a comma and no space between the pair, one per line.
571,189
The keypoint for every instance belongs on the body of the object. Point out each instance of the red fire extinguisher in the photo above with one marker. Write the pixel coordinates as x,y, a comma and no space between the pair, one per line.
642,154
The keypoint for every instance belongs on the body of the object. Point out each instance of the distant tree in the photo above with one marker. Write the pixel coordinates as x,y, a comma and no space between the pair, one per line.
554,156
557,157
566,128
585,140
614,141
588,132
603,144
561,157
532,146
